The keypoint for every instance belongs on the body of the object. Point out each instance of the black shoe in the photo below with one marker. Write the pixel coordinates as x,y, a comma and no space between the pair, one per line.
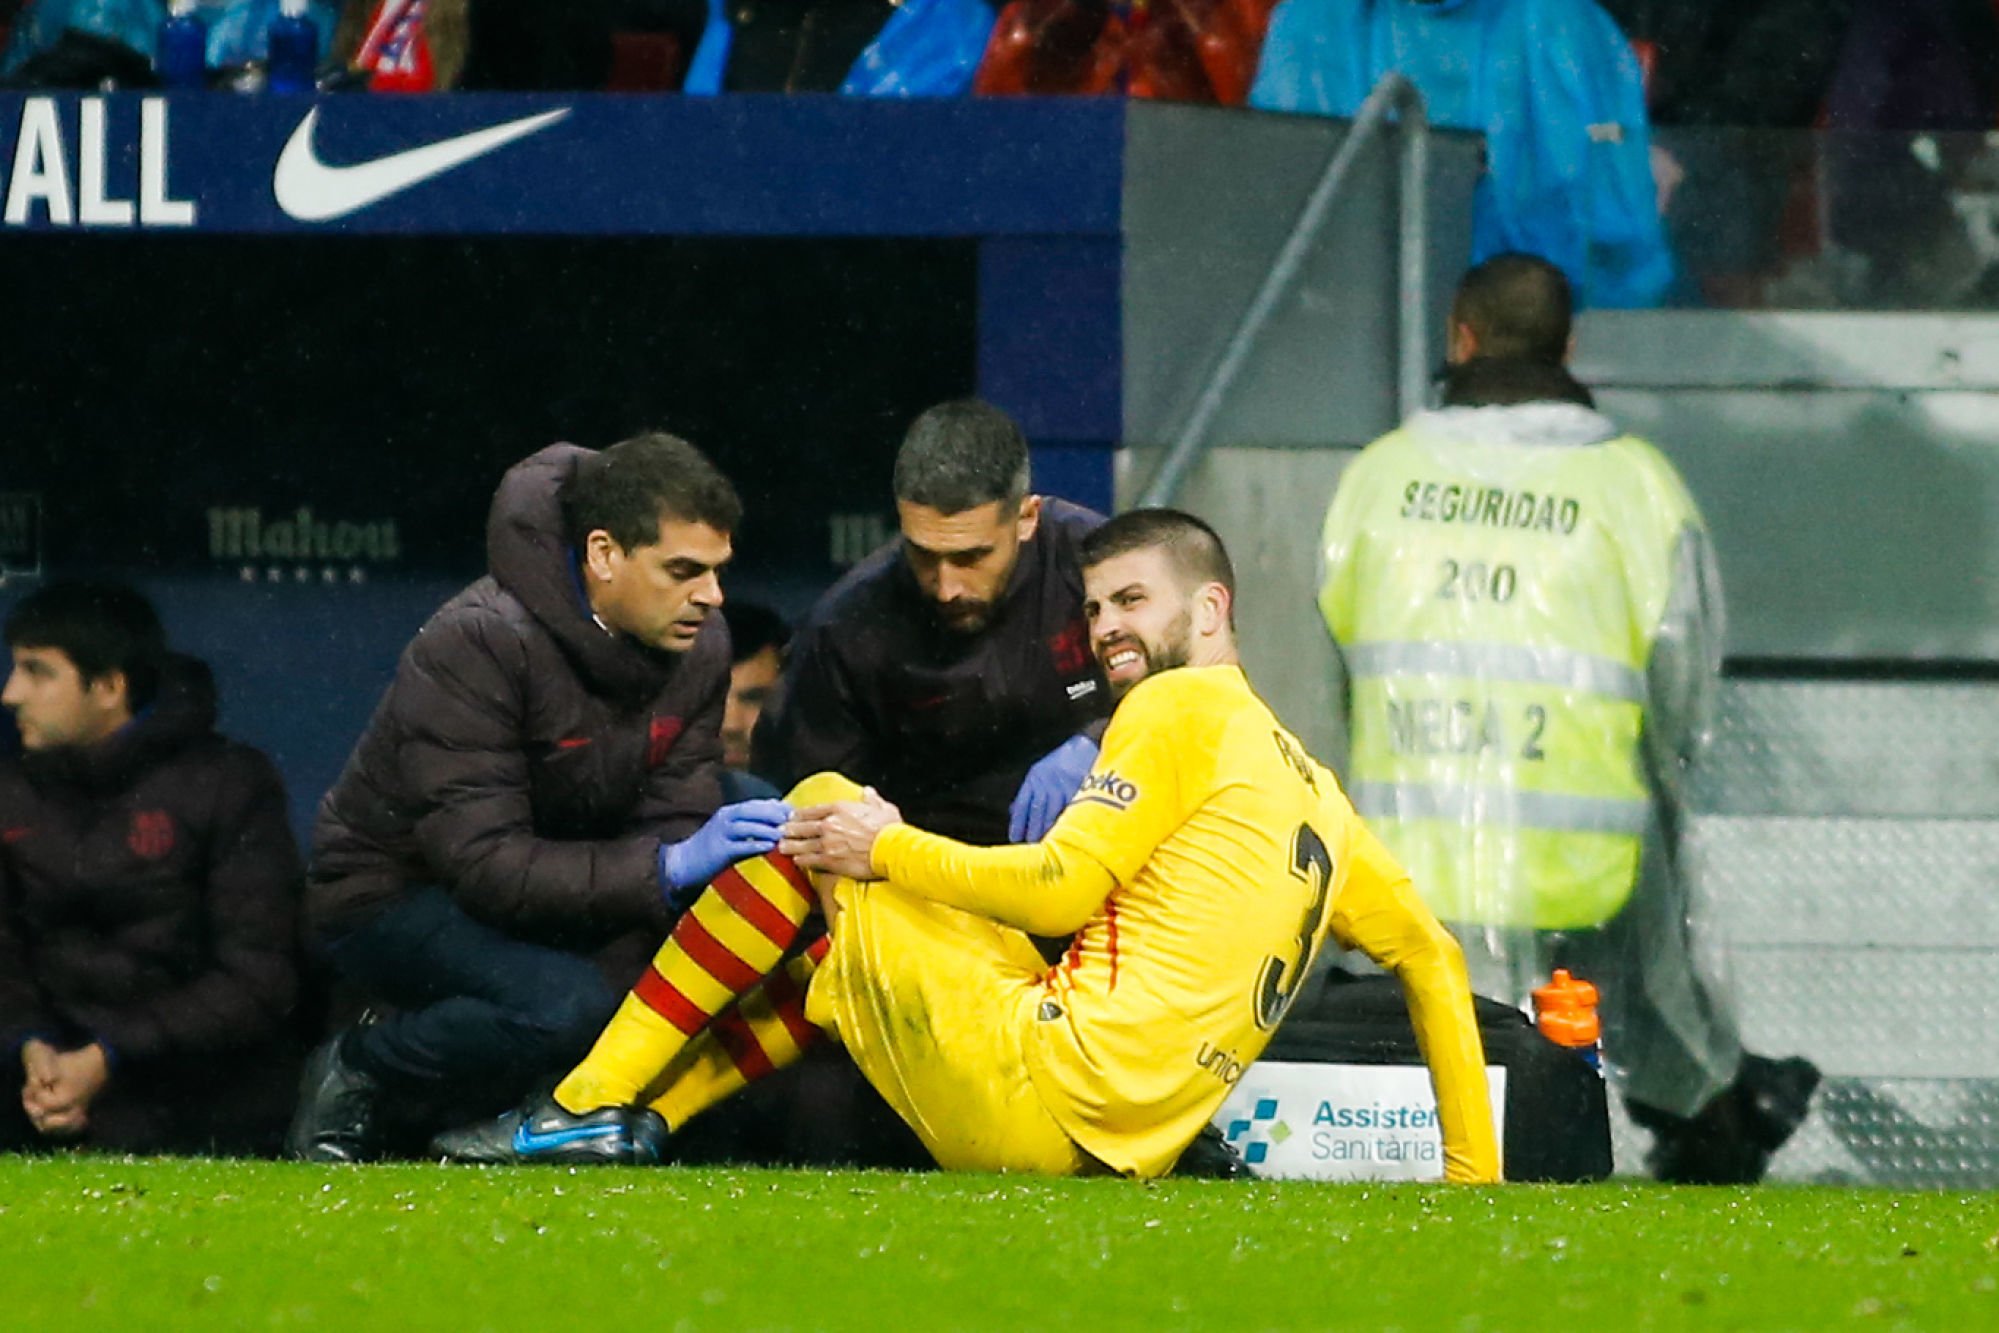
542,1132
1731,1139
1711,1148
1775,1096
1212,1157
335,1120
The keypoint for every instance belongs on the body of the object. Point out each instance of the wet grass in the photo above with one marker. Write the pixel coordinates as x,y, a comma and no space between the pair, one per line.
98,1242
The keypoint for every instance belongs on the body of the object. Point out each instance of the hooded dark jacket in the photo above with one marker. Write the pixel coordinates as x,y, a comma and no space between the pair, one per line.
525,758
149,902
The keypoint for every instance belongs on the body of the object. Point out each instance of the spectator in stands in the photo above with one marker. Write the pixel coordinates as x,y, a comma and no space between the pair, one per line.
1552,84
1530,623
502,853
758,637
1173,50
478,45
868,48
951,669
149,967
83,43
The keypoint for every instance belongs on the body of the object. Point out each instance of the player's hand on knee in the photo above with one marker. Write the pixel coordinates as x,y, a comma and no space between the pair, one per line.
747,828
840,838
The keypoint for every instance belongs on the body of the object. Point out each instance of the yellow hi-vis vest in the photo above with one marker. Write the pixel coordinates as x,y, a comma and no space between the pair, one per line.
1496,604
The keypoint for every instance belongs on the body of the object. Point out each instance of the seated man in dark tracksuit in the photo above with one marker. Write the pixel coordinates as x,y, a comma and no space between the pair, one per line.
500,856
149,884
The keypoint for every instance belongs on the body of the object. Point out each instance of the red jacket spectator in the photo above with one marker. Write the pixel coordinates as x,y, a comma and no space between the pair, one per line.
1174,50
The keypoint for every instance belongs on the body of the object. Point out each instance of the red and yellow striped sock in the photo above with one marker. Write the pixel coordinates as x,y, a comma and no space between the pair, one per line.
763,1033
728,942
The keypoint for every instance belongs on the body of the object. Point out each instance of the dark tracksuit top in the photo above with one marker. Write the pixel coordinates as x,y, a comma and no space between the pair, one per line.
942,723
149,900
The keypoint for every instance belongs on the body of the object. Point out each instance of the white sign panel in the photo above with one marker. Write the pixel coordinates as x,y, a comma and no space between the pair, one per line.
1342,1122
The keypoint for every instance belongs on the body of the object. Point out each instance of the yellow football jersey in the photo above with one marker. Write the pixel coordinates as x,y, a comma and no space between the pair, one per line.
1206,859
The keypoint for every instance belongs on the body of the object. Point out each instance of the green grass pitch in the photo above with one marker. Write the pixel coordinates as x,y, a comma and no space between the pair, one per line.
105,1242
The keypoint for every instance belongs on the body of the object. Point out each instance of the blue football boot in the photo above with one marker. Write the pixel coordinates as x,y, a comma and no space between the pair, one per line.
540,1131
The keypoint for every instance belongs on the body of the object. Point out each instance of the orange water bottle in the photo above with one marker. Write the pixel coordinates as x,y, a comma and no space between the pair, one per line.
1565,1012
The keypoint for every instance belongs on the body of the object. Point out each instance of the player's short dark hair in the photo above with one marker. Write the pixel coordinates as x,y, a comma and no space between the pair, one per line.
1517,306
628,488
100,628
754,627
1194,549
960,455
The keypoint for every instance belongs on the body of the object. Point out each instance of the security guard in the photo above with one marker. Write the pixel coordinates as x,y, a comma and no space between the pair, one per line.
1530,622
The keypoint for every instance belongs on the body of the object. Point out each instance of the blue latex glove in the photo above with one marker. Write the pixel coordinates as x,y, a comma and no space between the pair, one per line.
731,833
1046,789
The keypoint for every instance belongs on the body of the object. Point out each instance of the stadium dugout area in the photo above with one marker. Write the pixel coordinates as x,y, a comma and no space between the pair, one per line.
282,388
279,395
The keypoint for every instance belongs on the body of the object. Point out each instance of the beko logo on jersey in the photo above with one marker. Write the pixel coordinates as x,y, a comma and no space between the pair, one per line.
47,181
1107,788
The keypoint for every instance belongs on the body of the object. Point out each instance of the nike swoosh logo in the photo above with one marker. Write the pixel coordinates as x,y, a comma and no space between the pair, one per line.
310,190
528,1142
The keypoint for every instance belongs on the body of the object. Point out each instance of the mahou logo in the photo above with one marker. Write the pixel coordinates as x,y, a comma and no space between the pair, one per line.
151,835
299,546
1107,788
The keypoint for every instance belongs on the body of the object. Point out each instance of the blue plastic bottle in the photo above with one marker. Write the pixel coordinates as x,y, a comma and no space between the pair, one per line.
183,60
293,50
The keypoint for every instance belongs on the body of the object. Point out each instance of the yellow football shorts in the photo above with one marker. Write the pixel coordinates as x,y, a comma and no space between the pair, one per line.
934,1005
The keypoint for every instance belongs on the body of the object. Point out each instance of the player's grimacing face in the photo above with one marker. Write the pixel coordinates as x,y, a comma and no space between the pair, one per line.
962,561
661,593
1141,622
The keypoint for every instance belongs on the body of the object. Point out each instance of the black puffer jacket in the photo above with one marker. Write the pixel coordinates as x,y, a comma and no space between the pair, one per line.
525,758
149,892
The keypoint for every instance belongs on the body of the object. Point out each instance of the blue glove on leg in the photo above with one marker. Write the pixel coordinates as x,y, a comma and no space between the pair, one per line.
746,828
1046,789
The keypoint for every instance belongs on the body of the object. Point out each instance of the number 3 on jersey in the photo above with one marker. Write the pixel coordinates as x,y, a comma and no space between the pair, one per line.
1277,983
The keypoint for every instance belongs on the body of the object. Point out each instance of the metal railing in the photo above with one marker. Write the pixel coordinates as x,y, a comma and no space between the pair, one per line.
1394,94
